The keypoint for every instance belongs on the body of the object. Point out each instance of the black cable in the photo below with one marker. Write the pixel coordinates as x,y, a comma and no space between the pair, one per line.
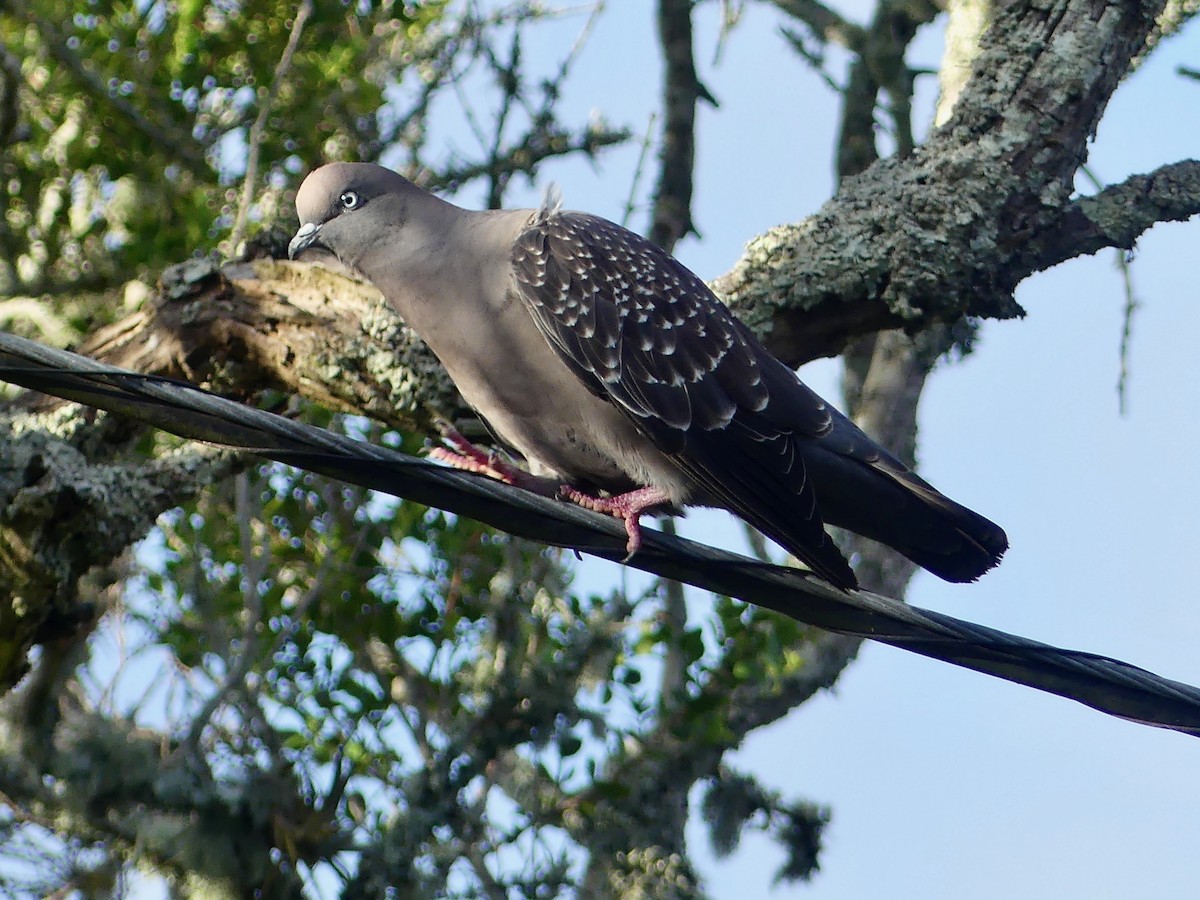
1109,685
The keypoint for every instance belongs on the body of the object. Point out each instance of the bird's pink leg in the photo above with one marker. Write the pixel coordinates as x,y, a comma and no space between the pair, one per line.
469,458
628,507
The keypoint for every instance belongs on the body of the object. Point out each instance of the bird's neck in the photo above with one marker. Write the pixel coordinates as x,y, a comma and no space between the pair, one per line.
443,268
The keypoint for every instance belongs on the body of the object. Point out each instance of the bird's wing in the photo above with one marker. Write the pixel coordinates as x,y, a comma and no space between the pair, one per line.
645,333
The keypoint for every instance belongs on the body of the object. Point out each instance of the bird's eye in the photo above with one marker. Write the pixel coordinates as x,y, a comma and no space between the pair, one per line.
350,200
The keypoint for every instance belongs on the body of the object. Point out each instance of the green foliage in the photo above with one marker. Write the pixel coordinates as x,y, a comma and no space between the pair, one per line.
735,801
429,664
463,717
133,121
442,690
413,704
134,115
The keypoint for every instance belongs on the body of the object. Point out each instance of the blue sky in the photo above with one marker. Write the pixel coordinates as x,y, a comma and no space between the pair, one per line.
946,783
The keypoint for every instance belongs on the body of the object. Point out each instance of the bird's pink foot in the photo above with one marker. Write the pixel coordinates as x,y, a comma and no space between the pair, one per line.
469,458
628,507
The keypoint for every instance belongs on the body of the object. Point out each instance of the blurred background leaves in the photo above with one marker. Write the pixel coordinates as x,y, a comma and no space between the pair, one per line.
300,685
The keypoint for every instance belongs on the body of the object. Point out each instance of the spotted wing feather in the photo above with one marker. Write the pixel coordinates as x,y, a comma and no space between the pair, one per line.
646,334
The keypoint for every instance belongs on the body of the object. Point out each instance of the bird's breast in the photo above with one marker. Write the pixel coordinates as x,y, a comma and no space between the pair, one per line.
461,301
508,372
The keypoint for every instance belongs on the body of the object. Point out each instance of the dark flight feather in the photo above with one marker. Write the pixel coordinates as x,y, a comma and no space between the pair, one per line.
645,333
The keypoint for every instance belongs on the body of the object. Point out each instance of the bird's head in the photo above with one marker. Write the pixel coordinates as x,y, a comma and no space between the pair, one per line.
341,205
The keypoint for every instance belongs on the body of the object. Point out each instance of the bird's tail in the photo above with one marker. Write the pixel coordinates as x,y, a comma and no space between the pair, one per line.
884,501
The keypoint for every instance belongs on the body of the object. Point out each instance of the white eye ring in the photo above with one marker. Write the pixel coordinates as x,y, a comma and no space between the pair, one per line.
350,200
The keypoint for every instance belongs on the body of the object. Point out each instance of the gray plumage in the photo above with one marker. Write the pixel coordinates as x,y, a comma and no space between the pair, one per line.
609,366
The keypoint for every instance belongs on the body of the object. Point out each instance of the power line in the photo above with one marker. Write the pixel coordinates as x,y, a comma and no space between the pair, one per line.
1106,684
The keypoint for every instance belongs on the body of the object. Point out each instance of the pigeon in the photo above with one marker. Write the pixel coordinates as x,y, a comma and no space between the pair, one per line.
621,380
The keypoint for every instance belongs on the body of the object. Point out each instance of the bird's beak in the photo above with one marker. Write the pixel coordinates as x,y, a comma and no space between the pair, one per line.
305,238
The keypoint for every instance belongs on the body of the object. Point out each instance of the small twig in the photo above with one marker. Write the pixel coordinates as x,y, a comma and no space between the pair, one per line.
816,60
731,14
552,87
580,41
639,170
675,616
758,544
339,779
464,101
1131,306
254,568
509,81
900,105
825,23
526,157
492,888
303,11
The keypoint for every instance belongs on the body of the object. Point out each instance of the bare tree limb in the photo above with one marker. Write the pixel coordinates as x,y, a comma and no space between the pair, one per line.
825,22
266,100
261,324
947,232
672,217
1121,213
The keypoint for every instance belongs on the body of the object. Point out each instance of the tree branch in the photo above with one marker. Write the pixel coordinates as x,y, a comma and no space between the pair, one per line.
826,23
672,217
260,324
879,66
217,833
538,144
1121,213
266,100
946,232
69,501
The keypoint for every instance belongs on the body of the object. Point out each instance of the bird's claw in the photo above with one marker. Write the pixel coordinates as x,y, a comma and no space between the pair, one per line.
627,507
469,458
481,464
